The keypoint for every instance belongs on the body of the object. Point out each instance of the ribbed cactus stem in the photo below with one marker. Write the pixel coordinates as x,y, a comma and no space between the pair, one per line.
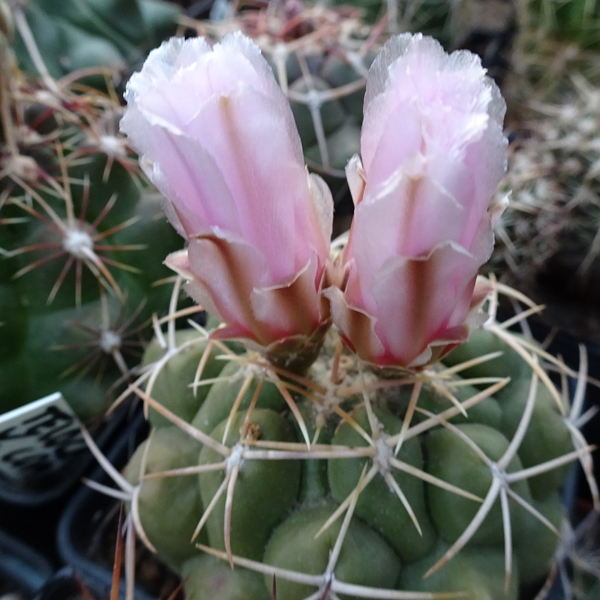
371,440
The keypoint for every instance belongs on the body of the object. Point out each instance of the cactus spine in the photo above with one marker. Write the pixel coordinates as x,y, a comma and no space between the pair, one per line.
345,482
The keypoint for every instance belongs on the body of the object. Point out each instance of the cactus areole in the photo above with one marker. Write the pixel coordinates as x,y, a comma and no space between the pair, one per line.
363,445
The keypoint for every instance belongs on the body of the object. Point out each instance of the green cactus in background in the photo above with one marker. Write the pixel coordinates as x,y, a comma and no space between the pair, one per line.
90,35
427,16
78,221
354,483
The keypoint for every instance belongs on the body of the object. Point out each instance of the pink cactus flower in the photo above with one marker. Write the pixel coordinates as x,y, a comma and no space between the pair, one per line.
218,139
433,152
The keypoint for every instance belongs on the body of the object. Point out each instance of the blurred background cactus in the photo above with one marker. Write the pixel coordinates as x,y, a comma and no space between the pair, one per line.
550,244
79,223
90,34
547,244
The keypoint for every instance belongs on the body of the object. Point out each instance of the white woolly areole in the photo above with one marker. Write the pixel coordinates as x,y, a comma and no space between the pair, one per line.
110,341
78,243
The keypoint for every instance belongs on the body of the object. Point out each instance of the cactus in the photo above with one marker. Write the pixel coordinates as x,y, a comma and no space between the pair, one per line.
352,482
383,435
76,289
91,36
428,16
549,245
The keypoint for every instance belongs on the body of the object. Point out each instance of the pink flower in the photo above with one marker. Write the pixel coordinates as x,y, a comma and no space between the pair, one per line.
433,153
217,137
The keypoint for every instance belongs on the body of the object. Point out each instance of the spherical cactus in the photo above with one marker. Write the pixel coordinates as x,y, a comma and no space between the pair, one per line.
78,225
344,454
397,481
167,507
90,36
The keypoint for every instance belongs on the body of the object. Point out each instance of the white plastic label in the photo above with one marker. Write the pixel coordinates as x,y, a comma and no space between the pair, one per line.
38,438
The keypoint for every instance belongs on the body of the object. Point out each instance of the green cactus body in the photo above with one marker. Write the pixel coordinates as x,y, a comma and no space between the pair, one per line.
223,394
82,49
59,357
435,399
87,396
46,38
91,33
452,460
482,342
314,485
269,493
265,490
12,328
378,503
150,232
117,181
208,578
296,546
534,565
38,284
546,437
8,266
88,20
172,387
15,377
159,17
169,508
478,573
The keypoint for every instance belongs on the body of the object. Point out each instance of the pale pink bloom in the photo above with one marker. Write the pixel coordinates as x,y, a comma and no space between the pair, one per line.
217,137
433,153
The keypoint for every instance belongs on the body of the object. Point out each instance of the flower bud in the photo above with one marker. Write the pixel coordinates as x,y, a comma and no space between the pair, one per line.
433,152
217,137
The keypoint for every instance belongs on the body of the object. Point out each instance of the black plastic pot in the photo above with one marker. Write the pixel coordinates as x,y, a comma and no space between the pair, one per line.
23,571
63,585
31,513
86,522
